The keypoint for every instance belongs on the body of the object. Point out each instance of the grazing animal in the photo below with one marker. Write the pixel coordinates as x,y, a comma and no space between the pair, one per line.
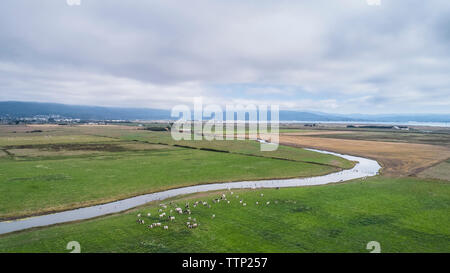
228,201
139,215
257,202
149,214
166,227
150,226
268,203
245,204
158,224
172,218
213,216
262,194
194,225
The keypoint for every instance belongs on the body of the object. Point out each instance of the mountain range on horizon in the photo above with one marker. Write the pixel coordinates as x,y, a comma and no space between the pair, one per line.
20,109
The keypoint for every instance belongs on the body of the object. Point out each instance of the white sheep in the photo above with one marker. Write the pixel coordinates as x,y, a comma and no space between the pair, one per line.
213,216
139,215
166,227
149,214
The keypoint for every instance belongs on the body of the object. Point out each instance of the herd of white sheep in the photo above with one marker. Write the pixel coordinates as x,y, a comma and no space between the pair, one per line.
192,223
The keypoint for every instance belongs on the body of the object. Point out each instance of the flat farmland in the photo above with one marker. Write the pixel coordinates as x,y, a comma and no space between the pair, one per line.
243,147
396,158
46,173
105,163
439,171
441,139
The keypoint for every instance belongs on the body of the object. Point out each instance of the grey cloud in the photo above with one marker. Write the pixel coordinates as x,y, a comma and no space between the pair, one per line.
334,50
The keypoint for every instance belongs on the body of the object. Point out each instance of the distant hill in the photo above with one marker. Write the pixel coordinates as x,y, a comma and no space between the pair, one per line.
16,109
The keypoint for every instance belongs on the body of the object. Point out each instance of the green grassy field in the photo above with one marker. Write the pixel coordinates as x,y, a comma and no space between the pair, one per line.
245,147
402,214
38,185
53,168
46,173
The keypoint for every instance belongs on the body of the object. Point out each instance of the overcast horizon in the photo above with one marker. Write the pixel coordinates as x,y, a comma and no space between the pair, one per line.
338,57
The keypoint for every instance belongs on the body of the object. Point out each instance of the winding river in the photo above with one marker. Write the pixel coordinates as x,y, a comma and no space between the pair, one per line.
364,167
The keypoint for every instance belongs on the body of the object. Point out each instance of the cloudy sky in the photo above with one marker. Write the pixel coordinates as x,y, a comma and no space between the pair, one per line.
337,56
